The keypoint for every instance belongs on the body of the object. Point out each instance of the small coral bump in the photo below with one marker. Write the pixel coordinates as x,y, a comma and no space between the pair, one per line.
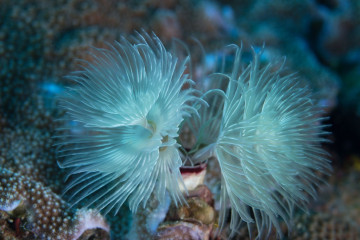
52,217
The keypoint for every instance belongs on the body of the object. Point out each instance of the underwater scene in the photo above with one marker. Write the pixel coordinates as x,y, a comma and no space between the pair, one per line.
179,119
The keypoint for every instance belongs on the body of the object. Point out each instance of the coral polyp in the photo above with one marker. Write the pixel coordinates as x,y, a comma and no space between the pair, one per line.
123,116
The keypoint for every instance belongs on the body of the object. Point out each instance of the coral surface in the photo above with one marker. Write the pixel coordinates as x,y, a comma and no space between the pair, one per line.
37,211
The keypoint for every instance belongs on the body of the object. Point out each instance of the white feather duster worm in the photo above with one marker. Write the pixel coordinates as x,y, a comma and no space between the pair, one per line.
269,146
127,104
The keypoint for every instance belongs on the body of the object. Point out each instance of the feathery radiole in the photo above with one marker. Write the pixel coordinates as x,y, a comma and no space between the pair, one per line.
128,104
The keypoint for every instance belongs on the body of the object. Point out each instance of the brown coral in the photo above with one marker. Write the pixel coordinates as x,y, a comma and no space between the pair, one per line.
184,231
44,214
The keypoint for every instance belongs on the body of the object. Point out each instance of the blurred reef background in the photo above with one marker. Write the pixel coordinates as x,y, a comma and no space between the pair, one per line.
40,42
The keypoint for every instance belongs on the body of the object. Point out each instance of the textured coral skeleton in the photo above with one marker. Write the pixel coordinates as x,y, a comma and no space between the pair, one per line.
128,106
45,214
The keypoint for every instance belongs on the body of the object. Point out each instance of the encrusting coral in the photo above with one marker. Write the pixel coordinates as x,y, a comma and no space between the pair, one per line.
38,211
